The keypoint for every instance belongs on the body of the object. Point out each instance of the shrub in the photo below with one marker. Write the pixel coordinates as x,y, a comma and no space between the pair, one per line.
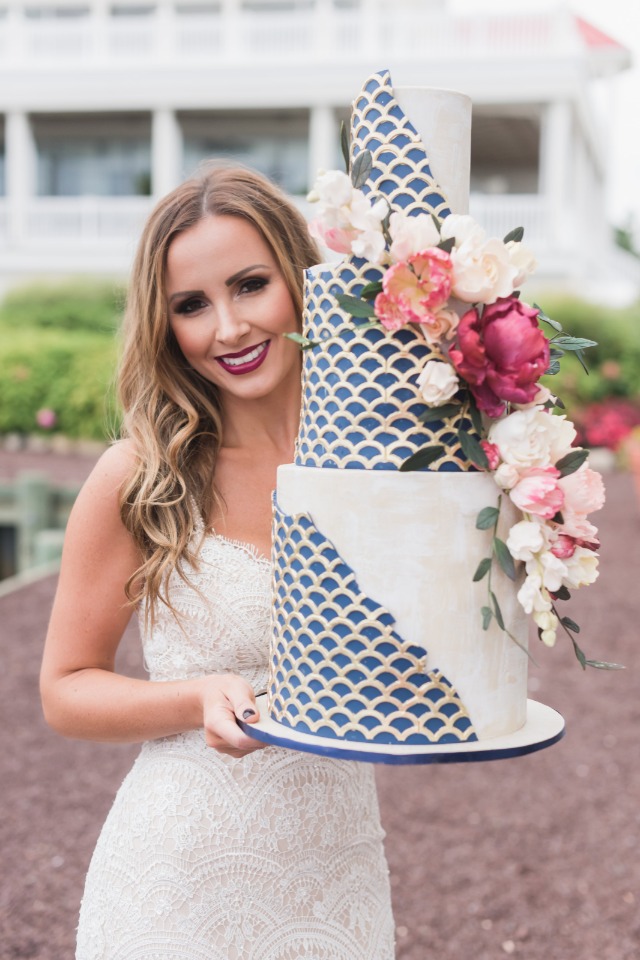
93,305
68,373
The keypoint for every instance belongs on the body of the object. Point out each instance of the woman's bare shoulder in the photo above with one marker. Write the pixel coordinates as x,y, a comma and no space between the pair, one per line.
100,495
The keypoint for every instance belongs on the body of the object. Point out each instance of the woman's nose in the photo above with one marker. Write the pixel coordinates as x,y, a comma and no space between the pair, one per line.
231,325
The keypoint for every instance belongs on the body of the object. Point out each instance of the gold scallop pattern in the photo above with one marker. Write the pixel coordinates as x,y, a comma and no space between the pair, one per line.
361,403
338,667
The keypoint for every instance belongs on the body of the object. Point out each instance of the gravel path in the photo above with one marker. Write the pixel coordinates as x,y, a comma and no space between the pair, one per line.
537,857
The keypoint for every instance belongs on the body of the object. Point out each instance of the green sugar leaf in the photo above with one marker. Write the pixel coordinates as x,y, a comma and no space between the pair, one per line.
344,144
474,413
472,449
303,342
571,462
371,290
517,234
439,413
487,615
604,665
361,169
447,245
570,624
543,316
422,458
483,569
355,306
572,343
497,611
504,557
488,517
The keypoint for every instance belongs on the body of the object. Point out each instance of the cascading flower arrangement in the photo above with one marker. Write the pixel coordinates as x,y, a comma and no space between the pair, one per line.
461,288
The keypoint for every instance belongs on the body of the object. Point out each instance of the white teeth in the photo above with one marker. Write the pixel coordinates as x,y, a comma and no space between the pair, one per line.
246,358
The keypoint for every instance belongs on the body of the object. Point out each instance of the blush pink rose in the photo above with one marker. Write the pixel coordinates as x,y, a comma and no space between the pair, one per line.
416,288
537,492
501,353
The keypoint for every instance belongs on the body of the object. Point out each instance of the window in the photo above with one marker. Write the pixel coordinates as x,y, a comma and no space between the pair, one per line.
89,155
273,143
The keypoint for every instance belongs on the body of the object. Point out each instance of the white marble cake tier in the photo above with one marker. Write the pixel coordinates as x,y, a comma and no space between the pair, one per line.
410,543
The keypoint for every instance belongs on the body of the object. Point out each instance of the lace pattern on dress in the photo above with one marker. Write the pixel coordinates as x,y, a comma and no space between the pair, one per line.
275,856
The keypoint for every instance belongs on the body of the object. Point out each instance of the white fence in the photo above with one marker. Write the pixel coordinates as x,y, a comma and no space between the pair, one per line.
235,35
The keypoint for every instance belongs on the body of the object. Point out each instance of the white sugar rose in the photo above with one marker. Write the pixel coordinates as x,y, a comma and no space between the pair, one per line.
532,596
547,623
482,268
461,227
551,569
506,476
437,382
532,438
523,260
582,568
332,188
347,222
525,540
411,235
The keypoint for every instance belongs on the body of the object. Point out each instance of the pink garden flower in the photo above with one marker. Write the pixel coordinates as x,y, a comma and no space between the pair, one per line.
538,493
501,353
46,418
415,289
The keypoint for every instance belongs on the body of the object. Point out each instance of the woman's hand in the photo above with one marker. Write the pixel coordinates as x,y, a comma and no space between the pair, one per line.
227,698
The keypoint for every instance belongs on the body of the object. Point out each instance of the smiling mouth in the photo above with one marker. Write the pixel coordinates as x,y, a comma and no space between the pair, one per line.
245,360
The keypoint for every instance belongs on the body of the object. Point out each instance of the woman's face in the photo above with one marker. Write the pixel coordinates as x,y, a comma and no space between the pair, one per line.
228,307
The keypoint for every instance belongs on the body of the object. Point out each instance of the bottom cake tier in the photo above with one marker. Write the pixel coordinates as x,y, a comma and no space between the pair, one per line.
377,631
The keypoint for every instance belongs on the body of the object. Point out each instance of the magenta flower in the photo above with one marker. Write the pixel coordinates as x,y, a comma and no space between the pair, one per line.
501,353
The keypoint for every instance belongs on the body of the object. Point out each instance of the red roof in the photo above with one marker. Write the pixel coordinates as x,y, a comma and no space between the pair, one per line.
594,37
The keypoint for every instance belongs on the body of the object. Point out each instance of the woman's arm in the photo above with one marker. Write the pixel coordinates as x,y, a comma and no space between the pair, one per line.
81,695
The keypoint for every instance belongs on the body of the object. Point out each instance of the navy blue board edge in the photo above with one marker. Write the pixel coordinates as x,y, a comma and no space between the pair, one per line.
322,746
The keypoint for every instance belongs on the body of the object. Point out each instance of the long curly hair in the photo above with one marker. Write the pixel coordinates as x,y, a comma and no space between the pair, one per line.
170,412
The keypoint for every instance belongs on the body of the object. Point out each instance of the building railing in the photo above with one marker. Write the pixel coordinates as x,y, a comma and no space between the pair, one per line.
110,220
318,34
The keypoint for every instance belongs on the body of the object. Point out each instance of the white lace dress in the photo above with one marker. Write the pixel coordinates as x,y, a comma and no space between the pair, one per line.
274,856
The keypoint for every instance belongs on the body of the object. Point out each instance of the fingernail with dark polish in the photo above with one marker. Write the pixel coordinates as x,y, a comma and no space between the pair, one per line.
248,713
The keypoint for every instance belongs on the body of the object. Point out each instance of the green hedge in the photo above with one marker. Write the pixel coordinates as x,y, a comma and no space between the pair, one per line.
67,372
93,305
614,364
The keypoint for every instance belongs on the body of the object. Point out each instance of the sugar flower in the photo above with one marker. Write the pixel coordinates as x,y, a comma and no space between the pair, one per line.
437,382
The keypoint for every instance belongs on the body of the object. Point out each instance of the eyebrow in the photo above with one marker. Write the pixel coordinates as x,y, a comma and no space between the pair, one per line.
245,270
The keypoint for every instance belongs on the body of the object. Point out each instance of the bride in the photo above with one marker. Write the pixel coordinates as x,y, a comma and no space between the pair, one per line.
216,848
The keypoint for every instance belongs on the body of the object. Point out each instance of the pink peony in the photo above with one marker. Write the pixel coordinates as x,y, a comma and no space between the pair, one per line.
501,353
583,491
416,289
538,493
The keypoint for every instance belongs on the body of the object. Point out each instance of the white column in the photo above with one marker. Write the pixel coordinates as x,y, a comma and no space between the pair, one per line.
555,172
232,29
323,141
166,152
20,168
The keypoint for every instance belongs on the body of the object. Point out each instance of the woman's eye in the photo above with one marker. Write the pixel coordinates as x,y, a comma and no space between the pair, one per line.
192,305
252,284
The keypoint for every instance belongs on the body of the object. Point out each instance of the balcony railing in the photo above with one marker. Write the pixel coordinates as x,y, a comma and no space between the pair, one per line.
234,35
73,221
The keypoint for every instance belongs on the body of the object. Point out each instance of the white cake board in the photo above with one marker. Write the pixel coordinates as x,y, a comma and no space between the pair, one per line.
543,727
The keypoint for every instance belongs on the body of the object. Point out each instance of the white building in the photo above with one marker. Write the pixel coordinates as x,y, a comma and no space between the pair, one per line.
105,104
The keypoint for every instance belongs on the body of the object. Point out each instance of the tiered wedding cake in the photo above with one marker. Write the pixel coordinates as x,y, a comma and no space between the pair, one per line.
377,629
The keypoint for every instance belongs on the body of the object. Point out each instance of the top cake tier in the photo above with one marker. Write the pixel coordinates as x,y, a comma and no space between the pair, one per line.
360,398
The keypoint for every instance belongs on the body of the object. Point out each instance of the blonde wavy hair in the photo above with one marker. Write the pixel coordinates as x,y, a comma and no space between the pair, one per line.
170,412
